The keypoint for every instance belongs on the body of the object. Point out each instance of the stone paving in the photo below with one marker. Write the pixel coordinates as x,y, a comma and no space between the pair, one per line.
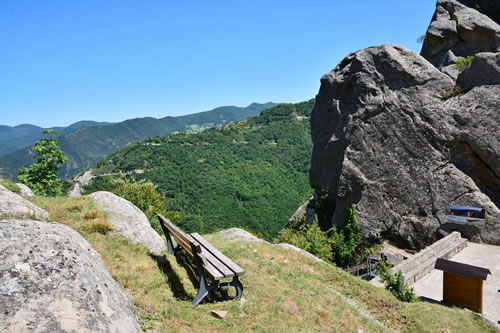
482,255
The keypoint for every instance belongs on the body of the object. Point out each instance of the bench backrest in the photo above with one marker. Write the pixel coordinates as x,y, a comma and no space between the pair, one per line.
183,239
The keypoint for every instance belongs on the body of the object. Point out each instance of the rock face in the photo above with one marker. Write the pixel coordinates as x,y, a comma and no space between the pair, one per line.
52,280
129,220
13,205
25,190
459,30
484,70
386,142
79,183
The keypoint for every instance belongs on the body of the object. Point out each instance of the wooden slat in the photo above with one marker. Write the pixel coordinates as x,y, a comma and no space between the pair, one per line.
180,237
209,268
217,254
223,269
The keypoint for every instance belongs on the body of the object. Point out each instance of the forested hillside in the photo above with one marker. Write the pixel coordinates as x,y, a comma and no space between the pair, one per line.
86,146
254,173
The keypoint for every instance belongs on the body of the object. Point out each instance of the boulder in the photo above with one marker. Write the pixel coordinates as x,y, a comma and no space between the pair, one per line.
385,141
484,70
52,280
13,205
304,211
238,234
129,221
486,7
461,30
25,190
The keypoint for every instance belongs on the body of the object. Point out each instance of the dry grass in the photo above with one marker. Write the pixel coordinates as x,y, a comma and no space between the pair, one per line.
284,291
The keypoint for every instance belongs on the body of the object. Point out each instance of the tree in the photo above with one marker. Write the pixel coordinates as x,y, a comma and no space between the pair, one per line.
42,176
345,241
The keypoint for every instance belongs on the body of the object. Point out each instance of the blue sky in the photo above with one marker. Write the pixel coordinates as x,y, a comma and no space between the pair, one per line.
64,61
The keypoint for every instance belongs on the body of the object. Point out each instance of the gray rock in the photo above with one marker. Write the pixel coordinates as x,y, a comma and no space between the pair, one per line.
384,141
52,280
238,234
80,182
303,252
13,205
25,190
304,211
463,30
486,7
129,220
484,70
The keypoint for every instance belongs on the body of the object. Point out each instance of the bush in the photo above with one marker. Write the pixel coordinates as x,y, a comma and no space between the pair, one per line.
462,63
345,241
307,237
101,227
146,196
42,176
395,283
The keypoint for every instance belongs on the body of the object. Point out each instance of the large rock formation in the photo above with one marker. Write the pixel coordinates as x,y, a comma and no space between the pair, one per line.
458,30
129,220
13,205
52,280
385,141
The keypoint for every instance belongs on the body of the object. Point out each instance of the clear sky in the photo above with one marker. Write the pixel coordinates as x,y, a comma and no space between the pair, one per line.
65,61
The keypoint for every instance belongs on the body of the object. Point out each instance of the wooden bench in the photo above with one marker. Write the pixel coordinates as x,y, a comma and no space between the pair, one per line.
209,261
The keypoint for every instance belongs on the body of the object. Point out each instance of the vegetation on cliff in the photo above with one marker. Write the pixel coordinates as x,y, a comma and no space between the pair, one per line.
254,173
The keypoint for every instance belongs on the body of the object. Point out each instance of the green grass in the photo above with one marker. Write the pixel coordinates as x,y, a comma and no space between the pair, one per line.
11,186
284,291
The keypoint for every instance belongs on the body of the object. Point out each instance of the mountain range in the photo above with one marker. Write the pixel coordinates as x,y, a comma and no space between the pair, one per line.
85,143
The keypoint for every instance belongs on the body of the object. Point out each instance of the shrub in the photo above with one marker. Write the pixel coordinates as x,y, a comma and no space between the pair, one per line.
146,196
395,283
101,227
462,63
345,241
42,176
307,237
456,92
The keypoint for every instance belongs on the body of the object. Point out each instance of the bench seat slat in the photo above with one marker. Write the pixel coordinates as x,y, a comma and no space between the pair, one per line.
217,254
217,263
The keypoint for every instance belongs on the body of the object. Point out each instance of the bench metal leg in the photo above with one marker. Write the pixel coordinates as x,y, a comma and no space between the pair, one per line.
206,288
236,284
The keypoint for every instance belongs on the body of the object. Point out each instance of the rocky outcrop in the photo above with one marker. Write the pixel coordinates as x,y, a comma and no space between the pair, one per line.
52,280
484,70
129,220
386,142
459,30
13,205
25,191
305,211
79,183
240,235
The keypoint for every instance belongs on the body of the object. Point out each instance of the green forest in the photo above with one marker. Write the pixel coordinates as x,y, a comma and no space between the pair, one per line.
251,174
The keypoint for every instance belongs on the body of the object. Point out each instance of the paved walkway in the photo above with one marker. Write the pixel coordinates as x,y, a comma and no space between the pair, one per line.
486,256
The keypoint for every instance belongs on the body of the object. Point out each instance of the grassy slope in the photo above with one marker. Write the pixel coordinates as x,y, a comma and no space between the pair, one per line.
284,291
254,173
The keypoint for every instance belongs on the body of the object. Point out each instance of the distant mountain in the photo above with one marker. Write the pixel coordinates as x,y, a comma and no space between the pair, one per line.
87,145
13,138
252,173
